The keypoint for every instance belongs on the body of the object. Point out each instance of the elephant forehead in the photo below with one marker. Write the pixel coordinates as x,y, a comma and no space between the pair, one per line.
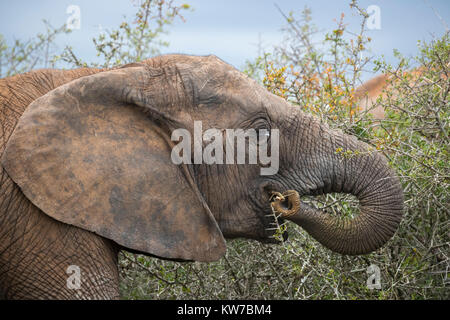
208,80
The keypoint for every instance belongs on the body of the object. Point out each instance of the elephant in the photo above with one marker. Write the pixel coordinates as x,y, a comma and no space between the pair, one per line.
86,171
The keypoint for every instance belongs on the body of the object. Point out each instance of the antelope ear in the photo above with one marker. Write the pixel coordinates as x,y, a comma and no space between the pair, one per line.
85,155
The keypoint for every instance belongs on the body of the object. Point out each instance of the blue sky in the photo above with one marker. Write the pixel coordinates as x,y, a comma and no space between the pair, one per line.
230,29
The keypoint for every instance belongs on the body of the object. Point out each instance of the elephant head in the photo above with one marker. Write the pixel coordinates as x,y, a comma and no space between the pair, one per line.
96,153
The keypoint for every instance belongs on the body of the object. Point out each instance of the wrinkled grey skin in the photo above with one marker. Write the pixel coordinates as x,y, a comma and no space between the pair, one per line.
36,249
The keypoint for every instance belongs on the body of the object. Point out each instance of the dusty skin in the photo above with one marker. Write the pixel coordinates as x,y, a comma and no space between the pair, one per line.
86,171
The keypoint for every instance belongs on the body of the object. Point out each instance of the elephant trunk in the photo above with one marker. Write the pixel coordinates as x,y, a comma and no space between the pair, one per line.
351,167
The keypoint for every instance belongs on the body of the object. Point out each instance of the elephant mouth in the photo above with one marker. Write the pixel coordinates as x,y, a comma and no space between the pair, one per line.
274,223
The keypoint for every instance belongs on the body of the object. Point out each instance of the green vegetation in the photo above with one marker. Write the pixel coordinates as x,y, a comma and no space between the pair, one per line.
134,40
321,79
23,56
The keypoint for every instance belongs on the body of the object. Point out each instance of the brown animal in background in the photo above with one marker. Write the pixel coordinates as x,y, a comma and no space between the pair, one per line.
367,94
86,171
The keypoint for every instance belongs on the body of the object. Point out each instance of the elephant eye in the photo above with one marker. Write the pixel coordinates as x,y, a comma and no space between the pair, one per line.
263,133
263,136
260,128
260,123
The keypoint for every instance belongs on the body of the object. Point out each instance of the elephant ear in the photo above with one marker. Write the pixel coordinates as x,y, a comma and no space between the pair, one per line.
87,155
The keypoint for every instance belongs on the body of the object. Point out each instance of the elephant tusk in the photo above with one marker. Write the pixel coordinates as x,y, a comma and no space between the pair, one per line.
286,203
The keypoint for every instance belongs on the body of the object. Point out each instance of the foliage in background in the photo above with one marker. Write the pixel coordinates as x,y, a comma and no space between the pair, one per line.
319,75
134,40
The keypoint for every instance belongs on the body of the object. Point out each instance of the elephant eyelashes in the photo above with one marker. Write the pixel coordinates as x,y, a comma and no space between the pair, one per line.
263,137
263,130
